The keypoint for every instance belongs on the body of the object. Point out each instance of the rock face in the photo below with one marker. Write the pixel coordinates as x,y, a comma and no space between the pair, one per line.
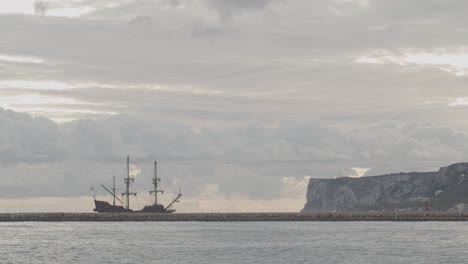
445,188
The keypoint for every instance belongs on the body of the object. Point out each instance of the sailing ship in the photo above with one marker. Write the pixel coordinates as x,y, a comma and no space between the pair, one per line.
106,207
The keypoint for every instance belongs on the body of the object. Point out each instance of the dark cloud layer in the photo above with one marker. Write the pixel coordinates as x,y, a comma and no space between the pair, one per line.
228,8
65,160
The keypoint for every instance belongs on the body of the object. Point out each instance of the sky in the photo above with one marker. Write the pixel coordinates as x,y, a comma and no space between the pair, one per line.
240,101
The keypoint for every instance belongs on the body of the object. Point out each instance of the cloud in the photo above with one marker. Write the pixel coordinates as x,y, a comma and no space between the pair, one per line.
28,139
358,172
20,59
454,63
256,161
284,89
180,64
228,8
41,7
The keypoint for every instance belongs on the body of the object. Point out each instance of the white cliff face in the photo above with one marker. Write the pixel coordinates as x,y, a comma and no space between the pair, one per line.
445,174
389,192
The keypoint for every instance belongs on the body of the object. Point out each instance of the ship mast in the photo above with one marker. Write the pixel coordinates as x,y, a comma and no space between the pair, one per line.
155,184
113,189
127,182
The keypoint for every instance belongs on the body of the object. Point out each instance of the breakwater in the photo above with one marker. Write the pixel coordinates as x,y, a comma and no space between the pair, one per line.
230,217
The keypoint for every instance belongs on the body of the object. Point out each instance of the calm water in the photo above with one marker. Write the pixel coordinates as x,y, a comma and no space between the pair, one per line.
311,242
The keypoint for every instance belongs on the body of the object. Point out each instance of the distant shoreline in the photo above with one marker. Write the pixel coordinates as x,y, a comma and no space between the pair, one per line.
232,217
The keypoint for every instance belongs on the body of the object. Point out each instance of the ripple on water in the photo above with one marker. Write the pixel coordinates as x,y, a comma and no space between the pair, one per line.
253,242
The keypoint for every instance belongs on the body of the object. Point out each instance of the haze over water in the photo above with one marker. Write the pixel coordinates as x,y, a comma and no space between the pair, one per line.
255,242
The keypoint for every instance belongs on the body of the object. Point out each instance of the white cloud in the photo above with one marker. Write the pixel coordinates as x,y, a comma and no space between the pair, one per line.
18,6
54,8
454,63
134,170
460,102
358,172
28,102
39,85
20,59
57,108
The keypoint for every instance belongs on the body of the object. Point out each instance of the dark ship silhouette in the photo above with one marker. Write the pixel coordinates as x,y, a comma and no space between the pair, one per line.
105,207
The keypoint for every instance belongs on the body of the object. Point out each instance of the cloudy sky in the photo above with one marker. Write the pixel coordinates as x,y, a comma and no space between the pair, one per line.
240,101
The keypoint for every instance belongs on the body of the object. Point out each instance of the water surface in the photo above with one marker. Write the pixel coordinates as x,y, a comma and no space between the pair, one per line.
248,242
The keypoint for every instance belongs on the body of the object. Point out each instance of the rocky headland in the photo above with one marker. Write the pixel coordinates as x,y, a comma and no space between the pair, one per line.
446,189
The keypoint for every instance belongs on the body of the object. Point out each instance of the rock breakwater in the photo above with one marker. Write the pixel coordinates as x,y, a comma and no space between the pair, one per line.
229,217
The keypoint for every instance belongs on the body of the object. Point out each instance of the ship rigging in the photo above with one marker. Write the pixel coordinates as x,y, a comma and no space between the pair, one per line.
155,207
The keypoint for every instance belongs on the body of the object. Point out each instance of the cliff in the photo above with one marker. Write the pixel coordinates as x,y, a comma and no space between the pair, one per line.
445,188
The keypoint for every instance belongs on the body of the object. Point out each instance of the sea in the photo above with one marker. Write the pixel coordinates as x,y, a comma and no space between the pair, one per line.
234,242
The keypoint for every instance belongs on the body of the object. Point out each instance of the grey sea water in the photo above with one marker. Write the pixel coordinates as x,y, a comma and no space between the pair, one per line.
252,242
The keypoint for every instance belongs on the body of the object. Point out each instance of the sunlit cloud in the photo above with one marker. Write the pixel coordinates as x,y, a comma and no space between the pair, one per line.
134,170
19,59
68,111
17,7
358,172
38,85
63,115
29,100
60,8
46,204
50,85
454,63
212,199
381,59
52,107
460,102
239,204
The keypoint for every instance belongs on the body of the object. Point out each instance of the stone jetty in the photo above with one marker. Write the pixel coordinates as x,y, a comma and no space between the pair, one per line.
231,217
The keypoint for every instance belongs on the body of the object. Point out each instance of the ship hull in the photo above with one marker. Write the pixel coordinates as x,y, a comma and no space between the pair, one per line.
105,207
